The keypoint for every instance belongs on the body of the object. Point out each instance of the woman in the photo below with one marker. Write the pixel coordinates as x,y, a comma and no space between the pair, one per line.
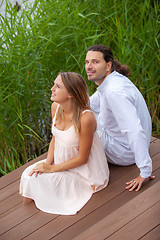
76,165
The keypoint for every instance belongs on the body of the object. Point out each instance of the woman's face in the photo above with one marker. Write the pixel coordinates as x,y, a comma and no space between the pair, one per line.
59,92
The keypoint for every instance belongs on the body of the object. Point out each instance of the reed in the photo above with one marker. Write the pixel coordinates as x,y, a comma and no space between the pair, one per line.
51,36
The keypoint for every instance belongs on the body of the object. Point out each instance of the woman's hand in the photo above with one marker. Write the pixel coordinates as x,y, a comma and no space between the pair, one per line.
41,168
34,172
136,183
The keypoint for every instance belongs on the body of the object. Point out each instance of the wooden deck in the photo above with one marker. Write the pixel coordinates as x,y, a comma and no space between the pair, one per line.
113,213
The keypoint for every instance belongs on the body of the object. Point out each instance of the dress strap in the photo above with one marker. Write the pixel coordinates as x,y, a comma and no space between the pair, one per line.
87,110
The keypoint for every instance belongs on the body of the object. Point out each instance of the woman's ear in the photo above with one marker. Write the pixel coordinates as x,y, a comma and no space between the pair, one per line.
70,96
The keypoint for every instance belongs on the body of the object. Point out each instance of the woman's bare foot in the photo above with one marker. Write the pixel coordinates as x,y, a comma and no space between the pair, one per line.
26,200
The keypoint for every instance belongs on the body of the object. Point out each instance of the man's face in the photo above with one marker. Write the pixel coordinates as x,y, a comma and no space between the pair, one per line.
96,67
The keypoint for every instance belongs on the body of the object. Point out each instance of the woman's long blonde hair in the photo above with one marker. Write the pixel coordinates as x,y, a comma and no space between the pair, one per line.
77,87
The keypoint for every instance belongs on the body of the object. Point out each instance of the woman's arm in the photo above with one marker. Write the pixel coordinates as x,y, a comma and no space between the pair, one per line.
88,127
50,154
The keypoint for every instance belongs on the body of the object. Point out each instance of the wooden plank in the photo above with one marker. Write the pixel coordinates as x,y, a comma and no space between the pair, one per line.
22,230
98,199
38,220
143,223
11,216
101,212
113,222
63,222
9,190
154,147
12,209
156,161
16,217
11,201
117,174
153,234
153,139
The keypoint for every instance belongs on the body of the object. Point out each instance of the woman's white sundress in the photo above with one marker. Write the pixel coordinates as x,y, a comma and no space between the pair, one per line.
66,192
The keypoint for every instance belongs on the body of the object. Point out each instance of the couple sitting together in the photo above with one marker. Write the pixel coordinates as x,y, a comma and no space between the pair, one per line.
113,125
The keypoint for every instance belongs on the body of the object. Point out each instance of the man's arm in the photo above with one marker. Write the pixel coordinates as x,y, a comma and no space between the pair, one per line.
129,124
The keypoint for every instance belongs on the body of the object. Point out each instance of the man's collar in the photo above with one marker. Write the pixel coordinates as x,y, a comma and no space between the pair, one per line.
99,88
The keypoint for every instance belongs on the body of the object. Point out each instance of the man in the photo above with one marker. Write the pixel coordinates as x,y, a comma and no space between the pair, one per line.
124,123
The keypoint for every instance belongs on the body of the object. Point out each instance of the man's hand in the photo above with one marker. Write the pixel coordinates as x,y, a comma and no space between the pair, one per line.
136,183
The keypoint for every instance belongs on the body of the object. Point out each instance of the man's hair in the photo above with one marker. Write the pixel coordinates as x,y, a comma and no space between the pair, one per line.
108,57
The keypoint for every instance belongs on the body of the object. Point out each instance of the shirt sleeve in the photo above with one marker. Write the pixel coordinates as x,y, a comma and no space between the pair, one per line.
125,114
95,102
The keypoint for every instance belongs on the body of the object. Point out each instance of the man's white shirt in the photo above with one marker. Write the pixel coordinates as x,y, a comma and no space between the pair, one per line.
123,122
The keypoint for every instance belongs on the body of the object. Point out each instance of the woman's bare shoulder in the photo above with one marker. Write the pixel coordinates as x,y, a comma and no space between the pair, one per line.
88,120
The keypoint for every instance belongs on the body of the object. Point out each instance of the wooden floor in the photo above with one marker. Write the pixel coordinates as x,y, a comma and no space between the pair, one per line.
113,213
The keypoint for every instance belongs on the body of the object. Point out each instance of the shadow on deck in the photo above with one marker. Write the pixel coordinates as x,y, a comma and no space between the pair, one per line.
112,213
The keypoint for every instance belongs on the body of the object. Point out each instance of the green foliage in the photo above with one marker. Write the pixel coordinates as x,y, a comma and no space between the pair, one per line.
39,41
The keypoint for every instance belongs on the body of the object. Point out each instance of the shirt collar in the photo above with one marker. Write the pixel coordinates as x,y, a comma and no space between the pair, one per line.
111,75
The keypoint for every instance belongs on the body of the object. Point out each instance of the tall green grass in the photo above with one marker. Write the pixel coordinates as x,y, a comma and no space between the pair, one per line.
39,41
